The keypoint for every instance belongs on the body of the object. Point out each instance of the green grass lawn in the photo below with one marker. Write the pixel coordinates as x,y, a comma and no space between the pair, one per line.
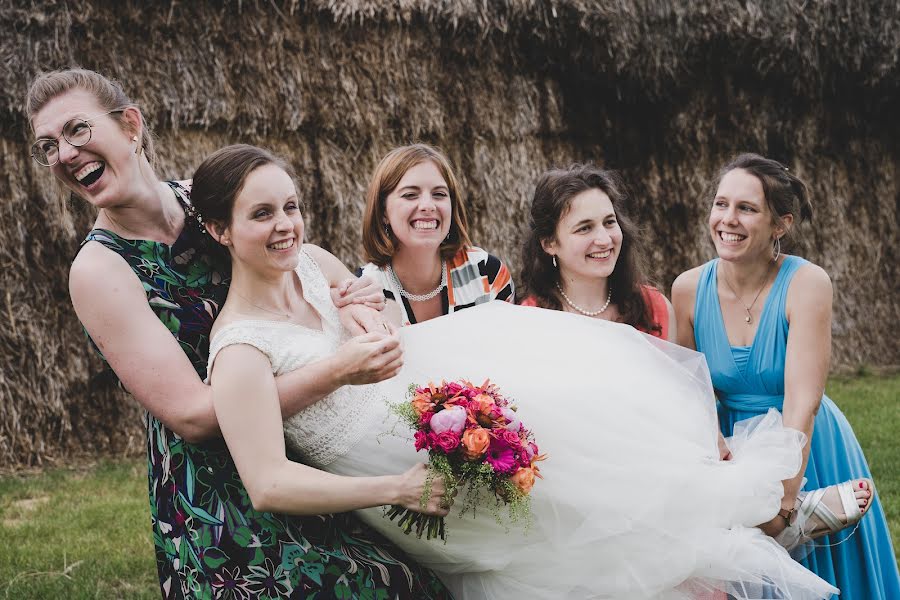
85,532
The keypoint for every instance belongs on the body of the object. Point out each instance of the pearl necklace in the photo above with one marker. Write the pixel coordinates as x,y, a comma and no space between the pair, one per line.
587,313
420,297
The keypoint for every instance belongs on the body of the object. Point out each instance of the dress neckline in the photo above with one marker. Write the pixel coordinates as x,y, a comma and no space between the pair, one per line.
186,206
763,313
271,323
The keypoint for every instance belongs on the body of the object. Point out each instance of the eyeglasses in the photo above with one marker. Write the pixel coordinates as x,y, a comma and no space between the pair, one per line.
77,132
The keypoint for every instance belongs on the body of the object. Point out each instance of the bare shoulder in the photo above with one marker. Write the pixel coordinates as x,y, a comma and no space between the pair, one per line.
322,257
97,269
333,269
812,276
810,287
316,252
239,364
685,285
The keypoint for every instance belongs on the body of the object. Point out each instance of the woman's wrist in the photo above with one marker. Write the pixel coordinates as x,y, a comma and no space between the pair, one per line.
337,370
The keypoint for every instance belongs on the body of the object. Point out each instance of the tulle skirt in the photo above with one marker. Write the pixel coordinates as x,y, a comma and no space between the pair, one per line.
634,502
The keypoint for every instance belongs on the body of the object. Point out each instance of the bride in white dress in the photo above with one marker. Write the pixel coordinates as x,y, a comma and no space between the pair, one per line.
634,502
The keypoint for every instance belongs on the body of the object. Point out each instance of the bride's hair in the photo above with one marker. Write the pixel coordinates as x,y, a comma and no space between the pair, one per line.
553,197
220,178
378,241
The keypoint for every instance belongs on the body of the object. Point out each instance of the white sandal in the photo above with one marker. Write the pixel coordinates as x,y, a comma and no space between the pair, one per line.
810,504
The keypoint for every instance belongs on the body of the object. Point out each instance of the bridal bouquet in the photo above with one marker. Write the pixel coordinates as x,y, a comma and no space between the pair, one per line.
474,440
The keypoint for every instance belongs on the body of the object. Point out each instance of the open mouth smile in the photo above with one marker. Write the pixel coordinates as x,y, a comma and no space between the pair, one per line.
88,175
282,245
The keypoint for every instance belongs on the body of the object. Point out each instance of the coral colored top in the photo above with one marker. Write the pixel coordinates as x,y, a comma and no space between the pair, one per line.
659,312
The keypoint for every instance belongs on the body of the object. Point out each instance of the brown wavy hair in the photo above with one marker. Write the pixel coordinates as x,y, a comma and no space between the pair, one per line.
379,245
552,200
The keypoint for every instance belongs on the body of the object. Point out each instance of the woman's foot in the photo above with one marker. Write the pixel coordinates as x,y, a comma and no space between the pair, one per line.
824,511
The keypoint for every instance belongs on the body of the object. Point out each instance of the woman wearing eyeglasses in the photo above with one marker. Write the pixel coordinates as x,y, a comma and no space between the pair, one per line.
147,285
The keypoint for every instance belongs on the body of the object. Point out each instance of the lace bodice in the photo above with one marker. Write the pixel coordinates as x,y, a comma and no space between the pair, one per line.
329,428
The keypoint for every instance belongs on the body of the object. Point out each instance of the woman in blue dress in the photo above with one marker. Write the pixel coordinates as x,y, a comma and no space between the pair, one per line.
763,321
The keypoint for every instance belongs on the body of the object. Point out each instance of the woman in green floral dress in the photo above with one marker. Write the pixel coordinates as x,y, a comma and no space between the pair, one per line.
147,281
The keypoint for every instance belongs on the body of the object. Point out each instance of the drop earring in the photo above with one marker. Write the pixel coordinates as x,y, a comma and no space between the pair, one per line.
554,261
138,148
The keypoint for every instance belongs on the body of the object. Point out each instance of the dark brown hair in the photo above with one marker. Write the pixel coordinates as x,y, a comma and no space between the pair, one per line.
785,193
108,93
553,197
220,178
379,245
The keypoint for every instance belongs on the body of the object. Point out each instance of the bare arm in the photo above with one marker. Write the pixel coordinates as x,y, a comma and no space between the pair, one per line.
112,305
809,303
684,290
673,325
246,402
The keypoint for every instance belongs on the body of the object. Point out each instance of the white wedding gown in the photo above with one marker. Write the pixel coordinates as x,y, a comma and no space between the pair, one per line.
633,504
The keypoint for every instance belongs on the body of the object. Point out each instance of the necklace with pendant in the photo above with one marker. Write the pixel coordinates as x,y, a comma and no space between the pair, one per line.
263,308
749,318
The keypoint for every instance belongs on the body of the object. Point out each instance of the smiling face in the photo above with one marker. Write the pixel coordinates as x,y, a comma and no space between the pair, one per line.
418,211
266,229
588,238
740,221
104,170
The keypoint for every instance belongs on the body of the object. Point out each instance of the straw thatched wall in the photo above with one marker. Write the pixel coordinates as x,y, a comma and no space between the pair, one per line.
665,91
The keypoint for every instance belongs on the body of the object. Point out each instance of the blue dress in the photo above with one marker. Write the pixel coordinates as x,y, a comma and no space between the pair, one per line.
748,381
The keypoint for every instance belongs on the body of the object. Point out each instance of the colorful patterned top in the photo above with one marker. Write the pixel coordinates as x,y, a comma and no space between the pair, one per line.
210,542
473,277
656,303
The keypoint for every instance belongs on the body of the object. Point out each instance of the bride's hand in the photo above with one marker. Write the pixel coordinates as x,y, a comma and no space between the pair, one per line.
369,358
411,486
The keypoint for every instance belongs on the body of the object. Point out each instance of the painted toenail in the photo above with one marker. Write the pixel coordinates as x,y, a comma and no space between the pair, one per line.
861,485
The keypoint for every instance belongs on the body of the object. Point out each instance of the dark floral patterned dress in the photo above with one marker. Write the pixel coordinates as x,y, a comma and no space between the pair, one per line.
210,542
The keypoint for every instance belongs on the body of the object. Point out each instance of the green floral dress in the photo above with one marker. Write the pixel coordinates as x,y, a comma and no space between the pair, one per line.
210,542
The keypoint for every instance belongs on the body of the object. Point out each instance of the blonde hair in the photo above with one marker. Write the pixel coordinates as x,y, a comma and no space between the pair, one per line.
108,93
378,245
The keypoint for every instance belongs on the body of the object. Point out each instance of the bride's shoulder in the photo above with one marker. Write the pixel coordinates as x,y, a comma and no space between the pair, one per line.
321,262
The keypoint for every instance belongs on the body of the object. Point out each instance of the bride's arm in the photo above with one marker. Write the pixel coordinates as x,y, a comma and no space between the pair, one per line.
246,402
112,305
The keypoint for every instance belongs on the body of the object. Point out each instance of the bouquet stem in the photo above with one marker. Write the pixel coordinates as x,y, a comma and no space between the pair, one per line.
413,522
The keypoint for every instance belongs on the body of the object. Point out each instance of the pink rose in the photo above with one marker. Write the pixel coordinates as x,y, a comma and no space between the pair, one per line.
450,419
425,419
446,441
511,438
421,439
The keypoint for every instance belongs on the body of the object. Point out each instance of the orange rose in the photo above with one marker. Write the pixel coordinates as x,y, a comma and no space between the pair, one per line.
523,479
475,442
422,403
